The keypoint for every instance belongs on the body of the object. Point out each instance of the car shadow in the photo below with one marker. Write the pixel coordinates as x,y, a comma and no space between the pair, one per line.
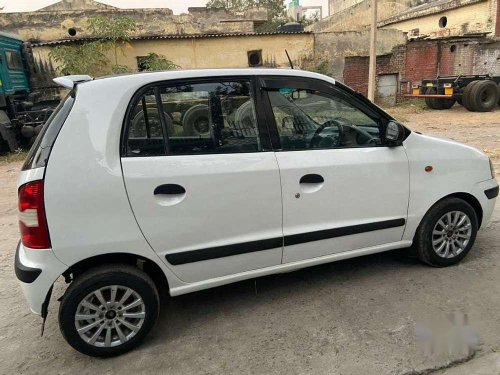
181,313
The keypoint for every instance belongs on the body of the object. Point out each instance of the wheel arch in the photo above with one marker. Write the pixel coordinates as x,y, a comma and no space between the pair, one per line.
151,268
467,197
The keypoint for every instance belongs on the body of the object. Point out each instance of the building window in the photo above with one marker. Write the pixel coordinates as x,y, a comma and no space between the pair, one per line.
254,58
443,21
453,48
72,31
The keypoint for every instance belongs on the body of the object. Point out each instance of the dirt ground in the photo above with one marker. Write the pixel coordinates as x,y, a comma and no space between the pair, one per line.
358,316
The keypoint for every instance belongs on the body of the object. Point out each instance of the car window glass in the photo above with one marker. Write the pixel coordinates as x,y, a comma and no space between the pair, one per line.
216,117
145,134
309,119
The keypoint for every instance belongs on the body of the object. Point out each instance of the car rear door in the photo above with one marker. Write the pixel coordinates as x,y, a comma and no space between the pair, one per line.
201,177
343,189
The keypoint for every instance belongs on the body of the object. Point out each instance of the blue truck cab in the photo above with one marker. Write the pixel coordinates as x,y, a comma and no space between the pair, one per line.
13,73
22,111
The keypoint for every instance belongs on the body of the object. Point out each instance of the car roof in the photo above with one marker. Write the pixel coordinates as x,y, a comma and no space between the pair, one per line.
149,77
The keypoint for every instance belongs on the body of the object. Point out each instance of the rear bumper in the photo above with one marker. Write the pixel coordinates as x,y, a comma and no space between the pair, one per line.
37,270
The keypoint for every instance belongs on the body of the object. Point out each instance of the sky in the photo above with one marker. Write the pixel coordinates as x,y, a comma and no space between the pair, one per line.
178,6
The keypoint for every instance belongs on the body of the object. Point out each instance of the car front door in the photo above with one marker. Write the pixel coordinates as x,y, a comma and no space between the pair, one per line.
202,180
343,188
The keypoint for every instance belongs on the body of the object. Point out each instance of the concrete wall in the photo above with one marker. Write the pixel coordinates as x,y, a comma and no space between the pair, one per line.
48,25
463,17
219,52
358,16
336,46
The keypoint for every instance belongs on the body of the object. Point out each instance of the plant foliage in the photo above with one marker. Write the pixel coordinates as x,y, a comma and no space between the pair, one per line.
110,36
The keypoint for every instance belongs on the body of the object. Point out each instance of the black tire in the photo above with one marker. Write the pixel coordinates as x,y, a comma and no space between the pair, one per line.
101,277
4,146
431,102
499,95
466,96
423,242
154,119
195,120
484,96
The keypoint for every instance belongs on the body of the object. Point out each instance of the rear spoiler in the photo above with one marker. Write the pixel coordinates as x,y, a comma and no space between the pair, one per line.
71,81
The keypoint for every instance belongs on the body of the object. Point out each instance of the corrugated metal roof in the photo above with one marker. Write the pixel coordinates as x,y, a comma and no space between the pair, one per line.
170,36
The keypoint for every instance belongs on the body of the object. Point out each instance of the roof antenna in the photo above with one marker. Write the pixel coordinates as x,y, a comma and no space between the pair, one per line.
289,59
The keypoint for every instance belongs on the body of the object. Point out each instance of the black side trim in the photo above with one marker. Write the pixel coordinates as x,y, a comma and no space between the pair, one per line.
23,273
273,243
319,235
223,251
491,193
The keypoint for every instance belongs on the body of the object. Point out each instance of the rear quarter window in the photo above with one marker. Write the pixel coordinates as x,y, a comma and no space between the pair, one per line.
38,155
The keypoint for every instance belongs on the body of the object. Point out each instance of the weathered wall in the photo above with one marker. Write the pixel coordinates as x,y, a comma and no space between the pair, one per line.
218,52
463,17
55,24
428,59
335,46
355,72
340,5
358,16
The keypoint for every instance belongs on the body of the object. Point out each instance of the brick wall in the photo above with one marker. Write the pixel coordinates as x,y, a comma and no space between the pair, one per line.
428,59
356,69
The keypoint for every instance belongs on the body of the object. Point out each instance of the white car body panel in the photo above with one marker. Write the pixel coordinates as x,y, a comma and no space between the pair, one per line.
361,186
229,199
456,168
89,212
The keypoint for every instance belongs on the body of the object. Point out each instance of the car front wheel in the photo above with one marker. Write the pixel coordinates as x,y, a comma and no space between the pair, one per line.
107,311
447,233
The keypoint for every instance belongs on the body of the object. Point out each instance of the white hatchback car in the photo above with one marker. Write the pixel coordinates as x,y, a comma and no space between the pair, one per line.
186,180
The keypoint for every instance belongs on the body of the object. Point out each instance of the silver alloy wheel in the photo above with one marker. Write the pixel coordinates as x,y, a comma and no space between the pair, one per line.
110,316
451,234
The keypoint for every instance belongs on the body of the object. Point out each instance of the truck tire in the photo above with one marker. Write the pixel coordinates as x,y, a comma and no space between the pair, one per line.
499,95
431,102
484,96
8,140
466,96
196,120
438,104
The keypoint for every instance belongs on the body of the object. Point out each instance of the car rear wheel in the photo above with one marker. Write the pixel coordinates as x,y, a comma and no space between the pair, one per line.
446,233
109,310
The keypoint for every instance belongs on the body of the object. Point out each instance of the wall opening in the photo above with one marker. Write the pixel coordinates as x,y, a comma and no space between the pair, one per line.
72,31
443,21
453,48
254,58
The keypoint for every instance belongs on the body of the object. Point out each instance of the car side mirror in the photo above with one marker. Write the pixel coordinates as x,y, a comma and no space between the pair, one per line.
394,134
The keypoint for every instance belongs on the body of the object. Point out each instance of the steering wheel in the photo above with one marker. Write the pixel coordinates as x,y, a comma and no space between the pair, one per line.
367,138
317,138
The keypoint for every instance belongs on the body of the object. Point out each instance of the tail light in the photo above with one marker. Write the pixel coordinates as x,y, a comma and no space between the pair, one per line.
32,221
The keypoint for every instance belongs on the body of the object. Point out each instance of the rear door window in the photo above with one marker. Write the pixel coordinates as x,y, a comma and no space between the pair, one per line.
196,118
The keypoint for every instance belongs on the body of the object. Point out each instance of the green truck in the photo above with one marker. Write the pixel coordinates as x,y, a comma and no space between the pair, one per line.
24,103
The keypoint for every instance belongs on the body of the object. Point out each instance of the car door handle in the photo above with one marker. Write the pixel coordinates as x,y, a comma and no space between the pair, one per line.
312,179
169,189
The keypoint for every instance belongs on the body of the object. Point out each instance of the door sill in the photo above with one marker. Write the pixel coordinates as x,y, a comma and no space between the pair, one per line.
286,267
